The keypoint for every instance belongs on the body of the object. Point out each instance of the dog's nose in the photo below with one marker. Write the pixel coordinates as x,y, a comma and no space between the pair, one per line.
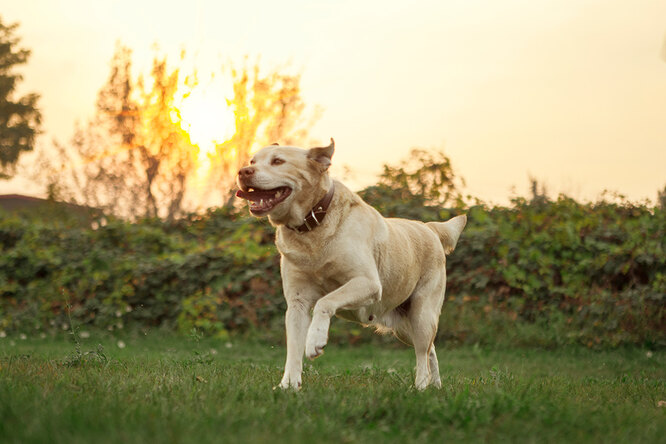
246,172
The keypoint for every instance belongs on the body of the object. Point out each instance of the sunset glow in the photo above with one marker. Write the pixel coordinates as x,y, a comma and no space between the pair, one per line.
203,113
571,93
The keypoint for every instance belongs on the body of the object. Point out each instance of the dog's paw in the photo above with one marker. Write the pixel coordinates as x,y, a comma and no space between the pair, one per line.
290,382
435,381
421,383
316,340
314,351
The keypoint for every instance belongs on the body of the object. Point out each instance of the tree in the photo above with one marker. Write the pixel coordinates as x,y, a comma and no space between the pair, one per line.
268,108
20,118
134,159
166,154
104,172
417,187
539,194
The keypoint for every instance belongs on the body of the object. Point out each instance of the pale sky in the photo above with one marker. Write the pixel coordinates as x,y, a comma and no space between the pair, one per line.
572,92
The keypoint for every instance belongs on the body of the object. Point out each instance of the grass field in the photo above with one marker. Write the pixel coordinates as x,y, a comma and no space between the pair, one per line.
169,389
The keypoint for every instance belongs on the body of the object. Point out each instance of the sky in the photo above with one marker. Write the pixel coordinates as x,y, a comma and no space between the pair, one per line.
570,92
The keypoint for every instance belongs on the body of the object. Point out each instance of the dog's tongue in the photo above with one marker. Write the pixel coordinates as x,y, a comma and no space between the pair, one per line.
255,195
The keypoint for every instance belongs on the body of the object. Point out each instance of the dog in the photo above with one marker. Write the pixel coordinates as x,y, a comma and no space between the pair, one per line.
339,256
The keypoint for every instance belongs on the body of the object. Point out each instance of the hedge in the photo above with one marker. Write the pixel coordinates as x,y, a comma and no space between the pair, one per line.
536,272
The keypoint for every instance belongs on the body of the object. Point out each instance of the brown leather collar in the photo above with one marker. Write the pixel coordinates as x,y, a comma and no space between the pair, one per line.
317,214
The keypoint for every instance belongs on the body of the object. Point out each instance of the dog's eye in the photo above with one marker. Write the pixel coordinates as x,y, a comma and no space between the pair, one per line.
277,161
252,162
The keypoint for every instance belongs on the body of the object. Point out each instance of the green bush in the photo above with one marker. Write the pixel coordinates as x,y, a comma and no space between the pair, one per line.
539,272
148,273
591,273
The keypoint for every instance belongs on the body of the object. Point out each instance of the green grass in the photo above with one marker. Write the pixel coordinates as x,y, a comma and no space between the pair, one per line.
170,389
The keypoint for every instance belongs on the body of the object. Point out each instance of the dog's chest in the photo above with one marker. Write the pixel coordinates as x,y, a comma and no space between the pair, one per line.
301,250
317,265
305,261
323,268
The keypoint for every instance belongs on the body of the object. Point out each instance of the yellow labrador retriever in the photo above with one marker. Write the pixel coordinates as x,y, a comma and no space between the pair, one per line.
339,256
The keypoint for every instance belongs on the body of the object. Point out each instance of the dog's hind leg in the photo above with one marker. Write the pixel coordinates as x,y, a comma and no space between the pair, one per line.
422,338
419,329
405,334
424,310
433,367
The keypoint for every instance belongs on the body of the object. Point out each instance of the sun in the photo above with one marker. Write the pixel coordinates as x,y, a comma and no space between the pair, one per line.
203,113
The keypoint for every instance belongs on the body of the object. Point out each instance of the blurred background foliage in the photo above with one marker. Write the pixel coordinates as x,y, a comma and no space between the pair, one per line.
538,272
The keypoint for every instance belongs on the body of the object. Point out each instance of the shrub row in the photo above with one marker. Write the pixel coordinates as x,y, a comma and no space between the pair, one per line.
588,273
218,273
544,272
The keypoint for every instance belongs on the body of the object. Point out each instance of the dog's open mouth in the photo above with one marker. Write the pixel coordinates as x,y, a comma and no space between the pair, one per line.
263,201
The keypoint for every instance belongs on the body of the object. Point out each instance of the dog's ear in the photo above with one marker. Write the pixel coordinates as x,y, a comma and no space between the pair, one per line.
322,155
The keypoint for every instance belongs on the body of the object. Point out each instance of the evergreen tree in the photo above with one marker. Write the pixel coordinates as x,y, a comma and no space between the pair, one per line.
19,118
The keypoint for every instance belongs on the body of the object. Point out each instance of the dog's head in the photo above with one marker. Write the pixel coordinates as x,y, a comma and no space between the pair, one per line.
284,183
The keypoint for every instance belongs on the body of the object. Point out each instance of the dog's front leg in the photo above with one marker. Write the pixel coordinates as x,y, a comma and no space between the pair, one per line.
358,292
297,321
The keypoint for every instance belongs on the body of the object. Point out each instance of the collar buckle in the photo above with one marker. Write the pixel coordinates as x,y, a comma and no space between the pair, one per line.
311,221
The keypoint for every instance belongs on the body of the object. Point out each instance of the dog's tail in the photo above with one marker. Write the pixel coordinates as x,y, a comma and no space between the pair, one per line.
449,231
